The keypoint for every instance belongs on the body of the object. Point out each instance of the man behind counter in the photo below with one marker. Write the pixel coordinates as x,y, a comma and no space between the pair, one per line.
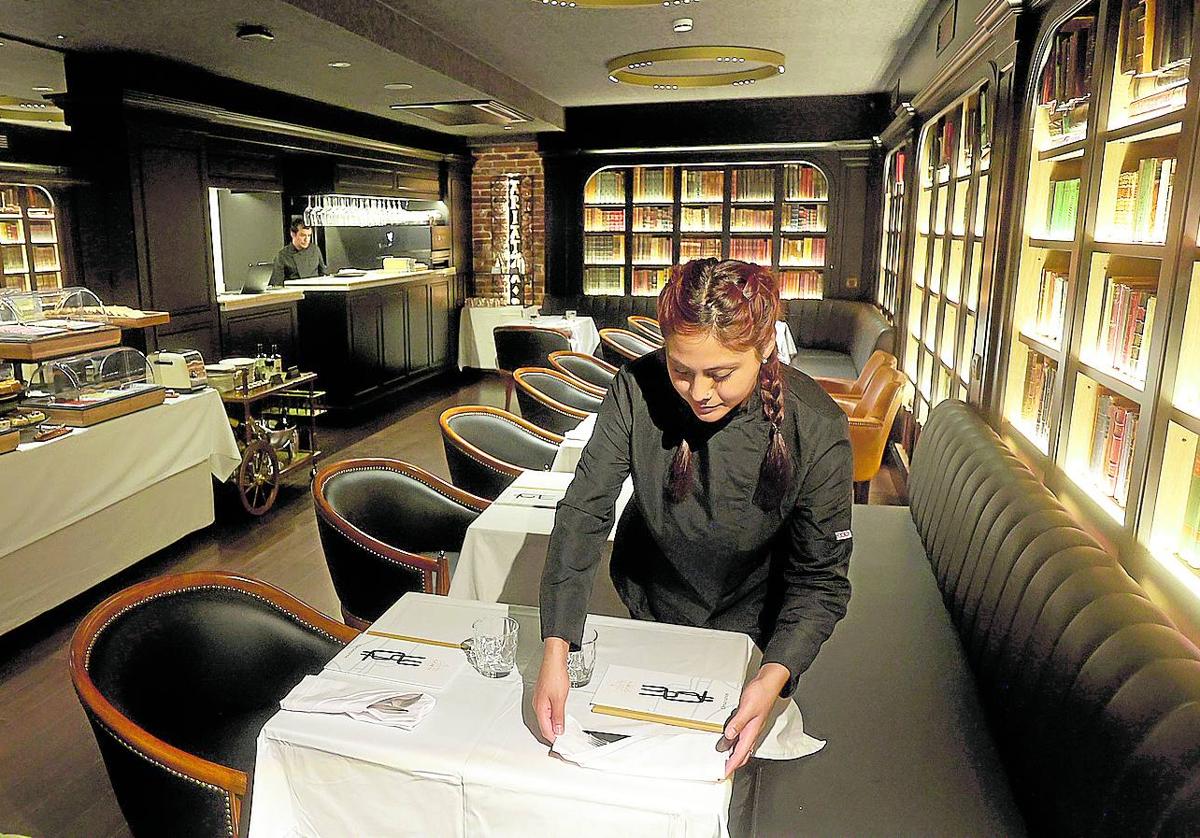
299,260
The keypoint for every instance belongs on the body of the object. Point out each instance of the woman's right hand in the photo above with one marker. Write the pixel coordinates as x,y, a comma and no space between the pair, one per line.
550,694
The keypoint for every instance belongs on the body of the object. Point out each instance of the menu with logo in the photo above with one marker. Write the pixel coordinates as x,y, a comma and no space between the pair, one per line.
686,701
403,661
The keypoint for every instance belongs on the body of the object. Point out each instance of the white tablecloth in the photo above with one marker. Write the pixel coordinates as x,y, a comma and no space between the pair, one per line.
477,345
58,531
475,768
784,342
571,448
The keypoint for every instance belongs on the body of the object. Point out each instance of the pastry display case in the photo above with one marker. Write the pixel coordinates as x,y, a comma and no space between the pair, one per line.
83,390
38,325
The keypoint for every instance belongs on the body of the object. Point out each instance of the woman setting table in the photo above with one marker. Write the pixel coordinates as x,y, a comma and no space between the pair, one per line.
740,519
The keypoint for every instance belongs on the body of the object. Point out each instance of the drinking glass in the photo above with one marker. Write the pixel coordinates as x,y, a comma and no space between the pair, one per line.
494,646
570,314
582,663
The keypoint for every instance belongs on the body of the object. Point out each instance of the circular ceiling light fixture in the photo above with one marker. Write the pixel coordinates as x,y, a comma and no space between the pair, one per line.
612,4
736,66
41,88
338,65
254,32
397,85
681,25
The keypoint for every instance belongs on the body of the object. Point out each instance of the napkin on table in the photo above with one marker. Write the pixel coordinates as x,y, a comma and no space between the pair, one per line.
675,755
393,706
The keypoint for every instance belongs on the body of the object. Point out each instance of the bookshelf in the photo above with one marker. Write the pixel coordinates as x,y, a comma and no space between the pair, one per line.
953,172
639,221
30,256
1100,387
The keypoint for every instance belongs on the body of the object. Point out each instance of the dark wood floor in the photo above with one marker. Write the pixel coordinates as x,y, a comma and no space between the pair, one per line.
52,781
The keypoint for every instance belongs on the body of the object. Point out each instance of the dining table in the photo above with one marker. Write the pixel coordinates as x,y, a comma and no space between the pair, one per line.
477,344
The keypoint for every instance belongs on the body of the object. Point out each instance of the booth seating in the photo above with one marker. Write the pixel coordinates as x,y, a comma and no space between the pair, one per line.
835,338
997,673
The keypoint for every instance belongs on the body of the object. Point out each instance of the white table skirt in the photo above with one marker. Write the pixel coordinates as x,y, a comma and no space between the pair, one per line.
68,488
477,345
784,342
474,767
571,449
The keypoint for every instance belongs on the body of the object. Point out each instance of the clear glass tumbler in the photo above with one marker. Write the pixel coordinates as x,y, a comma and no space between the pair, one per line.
494,646
582,663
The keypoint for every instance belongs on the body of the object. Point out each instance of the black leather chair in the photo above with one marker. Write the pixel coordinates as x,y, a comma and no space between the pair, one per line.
646,327
387,528
486,448
554,401
621,345
522,345
177,675
585,368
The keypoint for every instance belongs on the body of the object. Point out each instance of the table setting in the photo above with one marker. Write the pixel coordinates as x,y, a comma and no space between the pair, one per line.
477,346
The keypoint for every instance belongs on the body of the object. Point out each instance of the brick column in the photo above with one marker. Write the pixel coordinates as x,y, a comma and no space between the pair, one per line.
491,162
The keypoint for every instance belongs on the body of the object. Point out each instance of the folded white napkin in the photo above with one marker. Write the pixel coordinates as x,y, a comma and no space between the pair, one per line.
391,706
682,755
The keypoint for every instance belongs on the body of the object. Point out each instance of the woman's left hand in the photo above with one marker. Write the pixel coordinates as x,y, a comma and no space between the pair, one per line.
758,699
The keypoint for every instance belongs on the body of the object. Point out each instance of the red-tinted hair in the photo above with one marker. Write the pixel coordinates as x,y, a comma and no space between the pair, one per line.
738,303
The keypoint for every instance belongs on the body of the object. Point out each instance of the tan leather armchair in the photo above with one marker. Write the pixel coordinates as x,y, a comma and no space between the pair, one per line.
871,419
844,388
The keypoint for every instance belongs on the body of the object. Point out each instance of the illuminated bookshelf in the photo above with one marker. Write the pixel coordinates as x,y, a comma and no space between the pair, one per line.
30,255
891,249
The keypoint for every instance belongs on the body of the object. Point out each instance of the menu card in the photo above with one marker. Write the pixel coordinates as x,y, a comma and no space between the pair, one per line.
400,661
685,701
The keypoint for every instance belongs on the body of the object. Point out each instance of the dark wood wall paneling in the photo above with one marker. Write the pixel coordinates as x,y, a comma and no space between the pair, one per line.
594,134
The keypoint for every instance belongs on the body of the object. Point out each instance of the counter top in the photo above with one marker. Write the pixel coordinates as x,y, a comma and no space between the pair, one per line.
270,297
370,279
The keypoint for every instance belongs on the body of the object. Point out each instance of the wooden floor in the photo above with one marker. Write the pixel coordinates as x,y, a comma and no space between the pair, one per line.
52,781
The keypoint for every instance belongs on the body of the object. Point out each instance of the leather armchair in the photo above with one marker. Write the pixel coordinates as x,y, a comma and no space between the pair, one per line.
587,369
521,345
871,419
621,345
387,528
554,401
177,675
486,448
846,389
646,327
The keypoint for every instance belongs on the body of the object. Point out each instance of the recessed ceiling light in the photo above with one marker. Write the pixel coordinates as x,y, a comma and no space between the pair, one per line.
41,88
507,127
61,37
254,32
683,24
398,85
339,65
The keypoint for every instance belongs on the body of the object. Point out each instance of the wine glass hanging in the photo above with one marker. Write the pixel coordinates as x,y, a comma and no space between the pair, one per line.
363,211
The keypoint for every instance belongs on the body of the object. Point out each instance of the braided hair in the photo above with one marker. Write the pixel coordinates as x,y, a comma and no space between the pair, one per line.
738,303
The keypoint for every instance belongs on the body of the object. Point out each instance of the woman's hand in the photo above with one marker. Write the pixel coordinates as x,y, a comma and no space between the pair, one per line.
754,707
550,694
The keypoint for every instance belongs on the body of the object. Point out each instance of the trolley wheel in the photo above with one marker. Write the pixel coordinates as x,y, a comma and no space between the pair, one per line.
258,477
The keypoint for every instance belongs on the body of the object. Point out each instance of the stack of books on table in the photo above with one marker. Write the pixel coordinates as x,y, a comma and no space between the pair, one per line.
1114,434
1038,393
1063,208
1051,305
1126,319
1144,200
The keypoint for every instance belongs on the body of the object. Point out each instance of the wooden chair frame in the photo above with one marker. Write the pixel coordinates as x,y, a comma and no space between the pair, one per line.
605,338
641,326
479,455
556,363
550,402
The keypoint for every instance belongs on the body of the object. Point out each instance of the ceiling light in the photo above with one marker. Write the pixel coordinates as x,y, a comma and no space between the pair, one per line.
41,88
603,4
683,24
507,127
761,64
398,85
61,37
339,65
254,32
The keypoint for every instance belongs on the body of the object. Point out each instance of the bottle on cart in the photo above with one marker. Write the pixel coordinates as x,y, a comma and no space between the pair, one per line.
276,361
260,363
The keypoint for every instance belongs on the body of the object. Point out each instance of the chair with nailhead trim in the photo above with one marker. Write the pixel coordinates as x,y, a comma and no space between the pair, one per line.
388,528
177,676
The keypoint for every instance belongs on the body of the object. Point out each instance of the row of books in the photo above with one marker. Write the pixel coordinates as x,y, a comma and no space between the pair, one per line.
652,249
945,147
1037,393
1155,34
804,183
1144,200
602,218
11,232
757,251
1188,546
13,259
652,185
1114,434
978,127
1051,305
604,249
1127,316
801,285
700,219
703,185
647,282
802,251
1062,209
690,249
1068,124
753,185
604,281
652,219
805,218
1067,77
607,187
752,220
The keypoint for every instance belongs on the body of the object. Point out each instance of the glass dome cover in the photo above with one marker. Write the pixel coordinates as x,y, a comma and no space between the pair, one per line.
93,377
